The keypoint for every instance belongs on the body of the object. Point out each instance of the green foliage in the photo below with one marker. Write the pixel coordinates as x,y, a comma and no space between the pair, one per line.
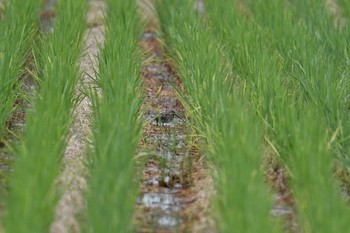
344,7
33,195
315,56
224,118
313,183
291,60
116,129
16,37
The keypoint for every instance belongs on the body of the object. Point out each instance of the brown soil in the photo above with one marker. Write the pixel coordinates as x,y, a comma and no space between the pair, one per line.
72,180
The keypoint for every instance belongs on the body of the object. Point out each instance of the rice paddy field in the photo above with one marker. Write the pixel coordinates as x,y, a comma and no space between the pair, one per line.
157,116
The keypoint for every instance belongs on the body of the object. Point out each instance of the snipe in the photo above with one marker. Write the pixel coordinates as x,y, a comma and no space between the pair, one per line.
165,117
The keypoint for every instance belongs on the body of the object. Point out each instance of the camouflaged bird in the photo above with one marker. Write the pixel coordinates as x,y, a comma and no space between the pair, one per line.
165,117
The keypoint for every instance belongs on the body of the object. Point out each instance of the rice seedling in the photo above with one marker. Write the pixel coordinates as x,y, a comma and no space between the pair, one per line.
112,189
312,180
17,28
223,117
33,194
297,122
316,59
318,64
334,95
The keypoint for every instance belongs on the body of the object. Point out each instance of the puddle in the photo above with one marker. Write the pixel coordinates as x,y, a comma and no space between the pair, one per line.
345,194
151,120
281,211
167,202
167,221
165,176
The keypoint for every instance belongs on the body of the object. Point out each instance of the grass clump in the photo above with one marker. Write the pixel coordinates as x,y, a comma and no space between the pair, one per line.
17,27
223,117
116,129
33,195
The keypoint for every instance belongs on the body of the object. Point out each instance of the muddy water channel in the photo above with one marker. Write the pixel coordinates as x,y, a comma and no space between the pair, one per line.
167,190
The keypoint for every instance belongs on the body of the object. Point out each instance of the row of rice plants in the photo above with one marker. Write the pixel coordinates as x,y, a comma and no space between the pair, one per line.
112,188
294,118
16,35
334,37
324,62
33,194
319,65
223,117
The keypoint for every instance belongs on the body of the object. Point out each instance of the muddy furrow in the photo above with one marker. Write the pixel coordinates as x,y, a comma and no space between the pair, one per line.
72,180
277,177
175,187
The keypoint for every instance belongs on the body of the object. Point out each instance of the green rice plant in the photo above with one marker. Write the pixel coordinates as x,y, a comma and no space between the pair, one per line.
326,79
256,65
33,195
243,201
222,116
317,59
344,9
319,207
319,23
112,190
315,51
16,36
297,123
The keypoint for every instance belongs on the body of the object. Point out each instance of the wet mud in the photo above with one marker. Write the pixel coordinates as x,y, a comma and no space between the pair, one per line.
170,200
164,143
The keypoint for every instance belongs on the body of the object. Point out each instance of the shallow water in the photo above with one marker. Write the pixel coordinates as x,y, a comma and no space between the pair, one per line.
165,177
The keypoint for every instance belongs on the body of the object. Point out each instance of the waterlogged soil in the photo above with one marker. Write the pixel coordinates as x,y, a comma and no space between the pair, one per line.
173,196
